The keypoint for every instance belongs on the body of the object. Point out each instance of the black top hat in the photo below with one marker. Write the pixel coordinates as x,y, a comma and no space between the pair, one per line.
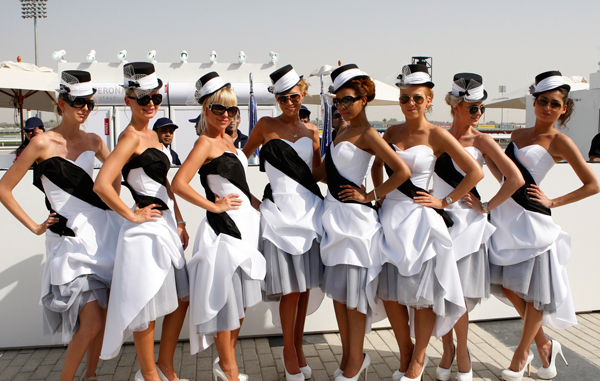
208,84
343,74
76,83
549,80
415,74
164,122
284,79
141,77
469,87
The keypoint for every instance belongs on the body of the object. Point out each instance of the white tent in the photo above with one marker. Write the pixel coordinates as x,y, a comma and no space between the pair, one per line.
517,99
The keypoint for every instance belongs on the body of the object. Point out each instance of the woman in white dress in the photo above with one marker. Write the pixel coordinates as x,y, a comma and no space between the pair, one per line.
528,251
419,273
150,278
471,230
351,229
226,268
290,216
81,231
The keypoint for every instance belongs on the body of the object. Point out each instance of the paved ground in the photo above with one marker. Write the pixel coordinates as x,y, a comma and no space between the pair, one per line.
491,344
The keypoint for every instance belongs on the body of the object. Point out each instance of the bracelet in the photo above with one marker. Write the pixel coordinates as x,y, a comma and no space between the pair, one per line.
484,206
181,223
375,195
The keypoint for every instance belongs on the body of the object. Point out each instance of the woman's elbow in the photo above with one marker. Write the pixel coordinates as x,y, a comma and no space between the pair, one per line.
594,188
176,186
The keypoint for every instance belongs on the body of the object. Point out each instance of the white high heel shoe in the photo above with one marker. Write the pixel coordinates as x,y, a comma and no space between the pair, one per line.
443,374
550,372
397,376
139,377
162,376
338,372
404,378
510,375
468,376
218,373
364,367
306,371
291,377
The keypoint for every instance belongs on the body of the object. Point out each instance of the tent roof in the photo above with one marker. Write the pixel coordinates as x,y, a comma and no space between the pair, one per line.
35,84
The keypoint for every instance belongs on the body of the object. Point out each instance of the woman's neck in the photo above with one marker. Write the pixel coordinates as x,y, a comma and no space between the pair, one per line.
67,129
542,127
139,123
459,129
416,123
290,119
360,120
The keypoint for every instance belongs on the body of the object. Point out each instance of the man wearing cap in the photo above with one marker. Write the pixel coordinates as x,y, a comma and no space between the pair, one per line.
165,129
33,126
239,139
337,122
304,114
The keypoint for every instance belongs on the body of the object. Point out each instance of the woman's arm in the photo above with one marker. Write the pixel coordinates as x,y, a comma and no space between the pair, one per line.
102,153
316,162
111,169
35,150
514,179
183,234
442,141
181,183
256,137
569,152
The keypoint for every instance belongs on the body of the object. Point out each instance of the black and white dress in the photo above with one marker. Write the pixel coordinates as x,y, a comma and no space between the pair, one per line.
150,273
351,232
528,251
226,268
419,269
470,231
291,227
80,248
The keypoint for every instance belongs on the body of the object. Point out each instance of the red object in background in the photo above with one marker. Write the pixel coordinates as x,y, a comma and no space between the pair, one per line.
106,129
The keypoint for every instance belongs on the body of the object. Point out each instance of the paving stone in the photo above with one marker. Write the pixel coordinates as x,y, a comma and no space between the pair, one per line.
4,363
251,367
315,363
320,375
122,373
23,376
9,355
269,373
42,372
20,359
187,371
40,353
9,373
31,364
326,355
126,359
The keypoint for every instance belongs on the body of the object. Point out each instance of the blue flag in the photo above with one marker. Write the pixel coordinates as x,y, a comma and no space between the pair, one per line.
326,112
252,115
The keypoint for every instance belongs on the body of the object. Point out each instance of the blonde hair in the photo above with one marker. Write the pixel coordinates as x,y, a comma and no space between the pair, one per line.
452,100
224,95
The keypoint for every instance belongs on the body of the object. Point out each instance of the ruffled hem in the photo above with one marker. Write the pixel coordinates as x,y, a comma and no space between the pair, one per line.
347,284
64,303
474,272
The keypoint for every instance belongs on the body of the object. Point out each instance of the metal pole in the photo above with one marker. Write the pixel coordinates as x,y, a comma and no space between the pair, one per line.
35,39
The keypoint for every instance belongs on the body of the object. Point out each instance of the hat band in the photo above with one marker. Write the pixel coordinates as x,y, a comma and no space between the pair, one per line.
148,82
416,78
84,89
549,83
470,95
345,76
213,85
286,82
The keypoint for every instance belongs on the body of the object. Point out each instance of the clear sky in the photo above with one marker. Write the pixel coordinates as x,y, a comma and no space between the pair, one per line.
507,42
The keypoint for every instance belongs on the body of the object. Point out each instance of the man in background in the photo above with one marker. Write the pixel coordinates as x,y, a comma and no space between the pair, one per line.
165,129
33,127
239,139
337,122
304,114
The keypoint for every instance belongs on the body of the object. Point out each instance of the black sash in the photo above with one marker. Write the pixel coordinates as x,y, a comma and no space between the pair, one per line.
70,178
335,180
283,157
155,164
229,167
445,169
409,189
521,196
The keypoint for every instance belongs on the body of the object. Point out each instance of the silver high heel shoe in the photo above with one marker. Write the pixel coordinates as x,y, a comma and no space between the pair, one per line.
364,367
291,377
404,378
443,374
468,376
510,375
550,372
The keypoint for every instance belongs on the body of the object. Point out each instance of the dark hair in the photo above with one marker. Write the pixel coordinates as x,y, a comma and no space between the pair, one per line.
362,86
564,118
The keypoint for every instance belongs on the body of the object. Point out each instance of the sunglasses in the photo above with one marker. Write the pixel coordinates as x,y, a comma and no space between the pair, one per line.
337,115
418,99
474,109
294,98
346,101
81,102
145,100
218,109
554,105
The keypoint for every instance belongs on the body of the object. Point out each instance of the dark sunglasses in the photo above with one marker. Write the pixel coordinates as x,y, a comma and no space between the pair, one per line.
473,109
294,98
346,101
218,109
145,100
554,105
418,99
81,102
337,115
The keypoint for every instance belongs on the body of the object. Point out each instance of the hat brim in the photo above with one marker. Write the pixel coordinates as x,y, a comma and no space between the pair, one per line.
202,98
428,84
166,125
160,83
565,86
291,87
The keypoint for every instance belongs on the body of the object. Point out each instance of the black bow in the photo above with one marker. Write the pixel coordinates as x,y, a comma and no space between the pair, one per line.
463,93
65,88
134,84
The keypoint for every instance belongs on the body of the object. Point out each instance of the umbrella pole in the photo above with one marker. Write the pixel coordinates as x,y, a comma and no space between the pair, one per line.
20,102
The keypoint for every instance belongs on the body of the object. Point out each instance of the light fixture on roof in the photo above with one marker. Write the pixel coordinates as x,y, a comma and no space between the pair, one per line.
151,56
242,57
122,55
213,57
59,55
91,57
274,57
183,56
